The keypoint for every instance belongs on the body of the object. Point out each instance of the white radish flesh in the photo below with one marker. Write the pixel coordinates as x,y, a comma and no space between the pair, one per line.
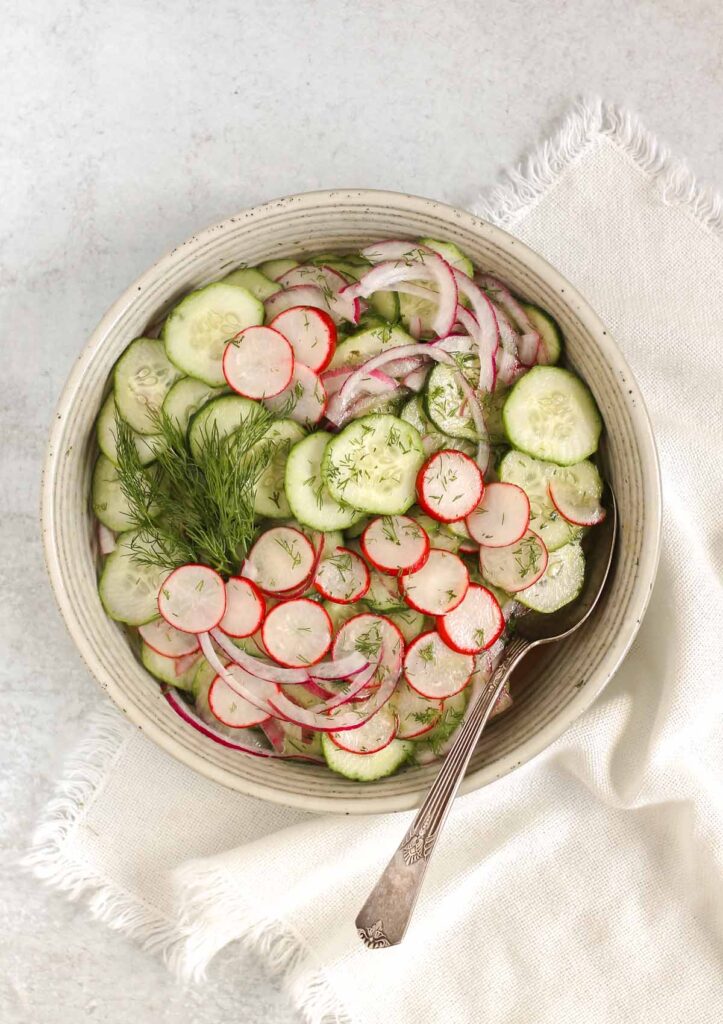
192,598
475,624
449,486
304,400
439,586
342,576
300,295
434,670
311,334
516,566
232,709
375,734
258,363
581,508
281,559
415,714
165,639
374,637
245,608
395,544
297,633
502,517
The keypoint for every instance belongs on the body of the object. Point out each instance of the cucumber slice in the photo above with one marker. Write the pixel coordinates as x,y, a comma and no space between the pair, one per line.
383,595
260,286
273,269
560,583
439,537
106,432
410,623
433,440
363,345
366,767
357,529
306,492
227,414
451,253
534,476
549,332
186,397
165,668
434,742
128,589
446,404
373,463
141,380
386,304
109,502
550,414
270,497
341,613
198,328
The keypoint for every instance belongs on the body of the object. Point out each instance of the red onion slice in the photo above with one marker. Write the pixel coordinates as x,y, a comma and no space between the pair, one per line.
530,343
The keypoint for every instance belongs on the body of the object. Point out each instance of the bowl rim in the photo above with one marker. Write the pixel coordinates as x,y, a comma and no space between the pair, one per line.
643,584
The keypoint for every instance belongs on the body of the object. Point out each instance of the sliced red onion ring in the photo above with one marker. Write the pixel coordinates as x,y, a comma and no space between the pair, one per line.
416,380
259,667
428,266
236,685
481,323
415,327
530,343
247,742
394,249
313,718
344,667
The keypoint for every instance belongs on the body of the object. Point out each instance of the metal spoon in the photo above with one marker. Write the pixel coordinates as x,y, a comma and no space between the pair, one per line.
384,918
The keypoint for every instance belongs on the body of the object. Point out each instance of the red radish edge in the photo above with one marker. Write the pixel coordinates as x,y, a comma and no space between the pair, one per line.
491,491
277,608
594,520
443,627
423,485
261,605
163,598
389,570
233,351
279,322
359,594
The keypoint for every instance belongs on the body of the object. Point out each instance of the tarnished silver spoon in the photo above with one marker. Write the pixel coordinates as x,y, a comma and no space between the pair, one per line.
384,918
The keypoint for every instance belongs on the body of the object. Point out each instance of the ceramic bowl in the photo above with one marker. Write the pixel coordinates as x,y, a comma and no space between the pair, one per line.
569,676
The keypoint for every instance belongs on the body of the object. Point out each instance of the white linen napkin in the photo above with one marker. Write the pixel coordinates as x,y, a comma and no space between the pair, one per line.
584,886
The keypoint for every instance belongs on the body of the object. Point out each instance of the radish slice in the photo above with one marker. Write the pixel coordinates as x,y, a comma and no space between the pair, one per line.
281,558
475,624
395,544
167,640
233,710
449,486
300,295
342,576
516,566
502,517
581,508
192,598
297,633
258,363
331,284
415,714
375,637
434,670
439,586
245,608
304,400
185,662
311,334
246,742
373,735
106,540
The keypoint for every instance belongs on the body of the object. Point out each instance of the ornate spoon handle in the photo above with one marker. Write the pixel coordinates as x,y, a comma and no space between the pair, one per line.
384,918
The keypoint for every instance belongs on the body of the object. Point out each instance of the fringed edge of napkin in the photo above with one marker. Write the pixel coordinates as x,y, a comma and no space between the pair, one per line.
522,186
105,735
212,908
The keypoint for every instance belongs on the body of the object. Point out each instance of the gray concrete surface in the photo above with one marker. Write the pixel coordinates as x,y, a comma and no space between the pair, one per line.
127,126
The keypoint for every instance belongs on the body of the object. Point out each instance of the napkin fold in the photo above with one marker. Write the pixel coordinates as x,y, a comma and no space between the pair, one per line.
587,884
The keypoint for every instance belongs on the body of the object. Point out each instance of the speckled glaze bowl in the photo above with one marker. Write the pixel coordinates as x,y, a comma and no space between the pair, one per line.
550,694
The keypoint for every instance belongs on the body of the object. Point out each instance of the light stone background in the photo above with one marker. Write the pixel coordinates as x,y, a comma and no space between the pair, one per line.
126,126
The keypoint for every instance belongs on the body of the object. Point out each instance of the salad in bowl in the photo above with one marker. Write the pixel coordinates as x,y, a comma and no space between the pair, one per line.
326,491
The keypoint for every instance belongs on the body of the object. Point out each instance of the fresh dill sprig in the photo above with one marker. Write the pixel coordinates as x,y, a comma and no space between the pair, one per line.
195,507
